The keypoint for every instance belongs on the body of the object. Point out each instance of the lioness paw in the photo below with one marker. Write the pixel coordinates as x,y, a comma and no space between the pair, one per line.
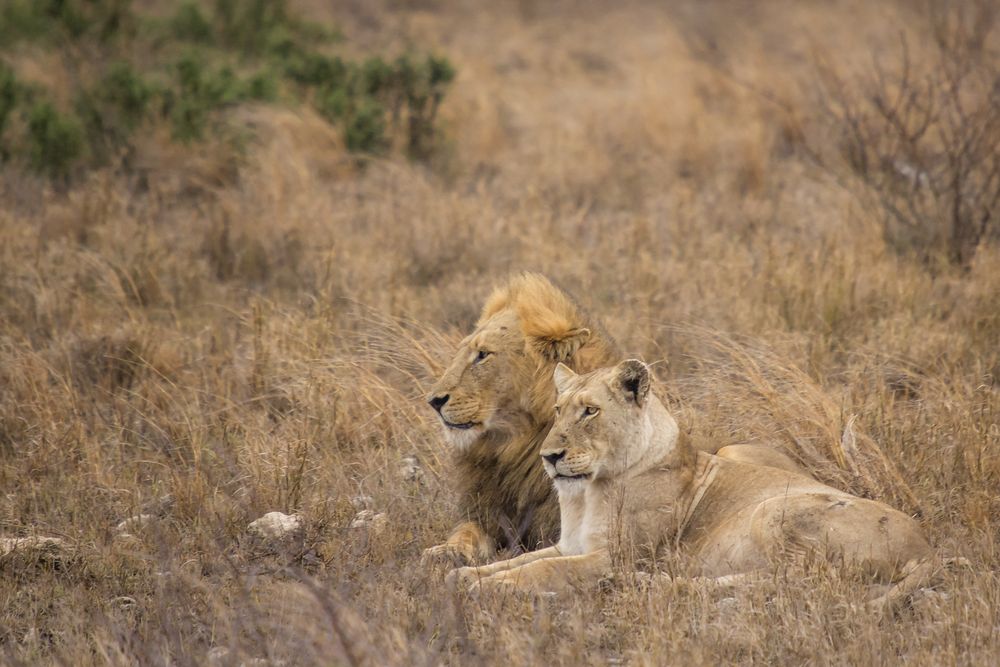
447,554
461,577
492,585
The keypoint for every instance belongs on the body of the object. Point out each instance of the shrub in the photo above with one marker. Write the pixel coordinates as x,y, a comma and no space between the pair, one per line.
377,99
246,24
237,50
58,20
424,91
197,94
923,136
262,87
114,108
333,103
365,128
313,69
21,19
190,24
56,140
8,100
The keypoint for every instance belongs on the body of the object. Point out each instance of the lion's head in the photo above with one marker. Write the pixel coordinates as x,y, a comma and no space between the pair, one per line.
500,380
601,428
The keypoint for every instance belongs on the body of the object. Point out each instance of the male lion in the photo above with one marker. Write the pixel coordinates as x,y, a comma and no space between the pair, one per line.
620,469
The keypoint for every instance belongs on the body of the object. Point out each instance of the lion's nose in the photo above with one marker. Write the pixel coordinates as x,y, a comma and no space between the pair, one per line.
554,457
437,402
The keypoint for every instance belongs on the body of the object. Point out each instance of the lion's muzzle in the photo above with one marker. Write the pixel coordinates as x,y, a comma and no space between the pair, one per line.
560,467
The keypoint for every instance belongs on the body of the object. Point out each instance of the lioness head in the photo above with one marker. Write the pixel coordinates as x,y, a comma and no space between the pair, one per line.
501,377
598,430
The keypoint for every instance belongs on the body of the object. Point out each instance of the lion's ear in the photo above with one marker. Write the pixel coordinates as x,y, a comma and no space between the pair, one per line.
562,376
633,377
561,347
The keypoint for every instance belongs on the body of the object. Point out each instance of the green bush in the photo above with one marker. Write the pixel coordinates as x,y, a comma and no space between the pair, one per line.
56,140
190,24
230,51
57,20
365,128
313,69
246,24
198,93
125,90
262,87
21,19
333,103
114,108
8,99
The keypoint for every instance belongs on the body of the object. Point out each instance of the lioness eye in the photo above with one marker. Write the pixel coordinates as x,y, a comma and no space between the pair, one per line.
483,354
590,410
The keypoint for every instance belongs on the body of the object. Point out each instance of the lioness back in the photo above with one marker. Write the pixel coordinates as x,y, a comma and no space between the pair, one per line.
751,515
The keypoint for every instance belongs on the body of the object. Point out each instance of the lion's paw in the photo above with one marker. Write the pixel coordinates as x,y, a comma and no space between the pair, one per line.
461,577
491,585
445,554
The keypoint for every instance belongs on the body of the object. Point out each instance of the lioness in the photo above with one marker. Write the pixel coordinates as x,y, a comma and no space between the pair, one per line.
619,468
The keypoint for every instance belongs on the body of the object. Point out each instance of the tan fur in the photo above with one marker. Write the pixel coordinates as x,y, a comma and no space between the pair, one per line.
761,456
529,325
729,518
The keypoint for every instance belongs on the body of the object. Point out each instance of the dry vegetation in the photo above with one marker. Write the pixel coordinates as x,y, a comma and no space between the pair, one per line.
204,336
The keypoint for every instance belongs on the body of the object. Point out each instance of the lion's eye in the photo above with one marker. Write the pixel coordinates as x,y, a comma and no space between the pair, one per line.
590,411
558,410
483,354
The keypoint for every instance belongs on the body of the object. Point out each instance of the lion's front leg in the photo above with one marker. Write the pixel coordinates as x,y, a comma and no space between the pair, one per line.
467,543
465,576
555,574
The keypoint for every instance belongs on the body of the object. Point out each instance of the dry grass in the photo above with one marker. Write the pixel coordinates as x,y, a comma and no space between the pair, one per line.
205,343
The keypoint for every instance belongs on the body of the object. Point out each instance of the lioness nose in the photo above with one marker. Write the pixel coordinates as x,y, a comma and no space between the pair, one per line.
437,402
554,457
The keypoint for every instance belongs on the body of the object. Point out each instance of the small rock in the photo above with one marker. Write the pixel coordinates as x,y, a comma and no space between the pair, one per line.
124,602
930,601
127,539
217,655
160,506
410,470
370,520
134,523
32,638
728,608
363,502
47,545
276,526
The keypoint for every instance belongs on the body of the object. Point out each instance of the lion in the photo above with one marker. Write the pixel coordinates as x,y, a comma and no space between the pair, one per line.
495,403
619,468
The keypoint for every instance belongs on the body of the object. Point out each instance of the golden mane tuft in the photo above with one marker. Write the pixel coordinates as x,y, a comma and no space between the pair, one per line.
546,312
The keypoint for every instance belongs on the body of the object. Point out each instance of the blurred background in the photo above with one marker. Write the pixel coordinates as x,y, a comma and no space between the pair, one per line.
238,238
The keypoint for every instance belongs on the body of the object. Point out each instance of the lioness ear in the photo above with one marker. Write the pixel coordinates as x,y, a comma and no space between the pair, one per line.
563,346
562,376
633,376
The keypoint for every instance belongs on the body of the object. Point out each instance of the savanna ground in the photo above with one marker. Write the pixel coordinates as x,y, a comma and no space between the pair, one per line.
204,334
